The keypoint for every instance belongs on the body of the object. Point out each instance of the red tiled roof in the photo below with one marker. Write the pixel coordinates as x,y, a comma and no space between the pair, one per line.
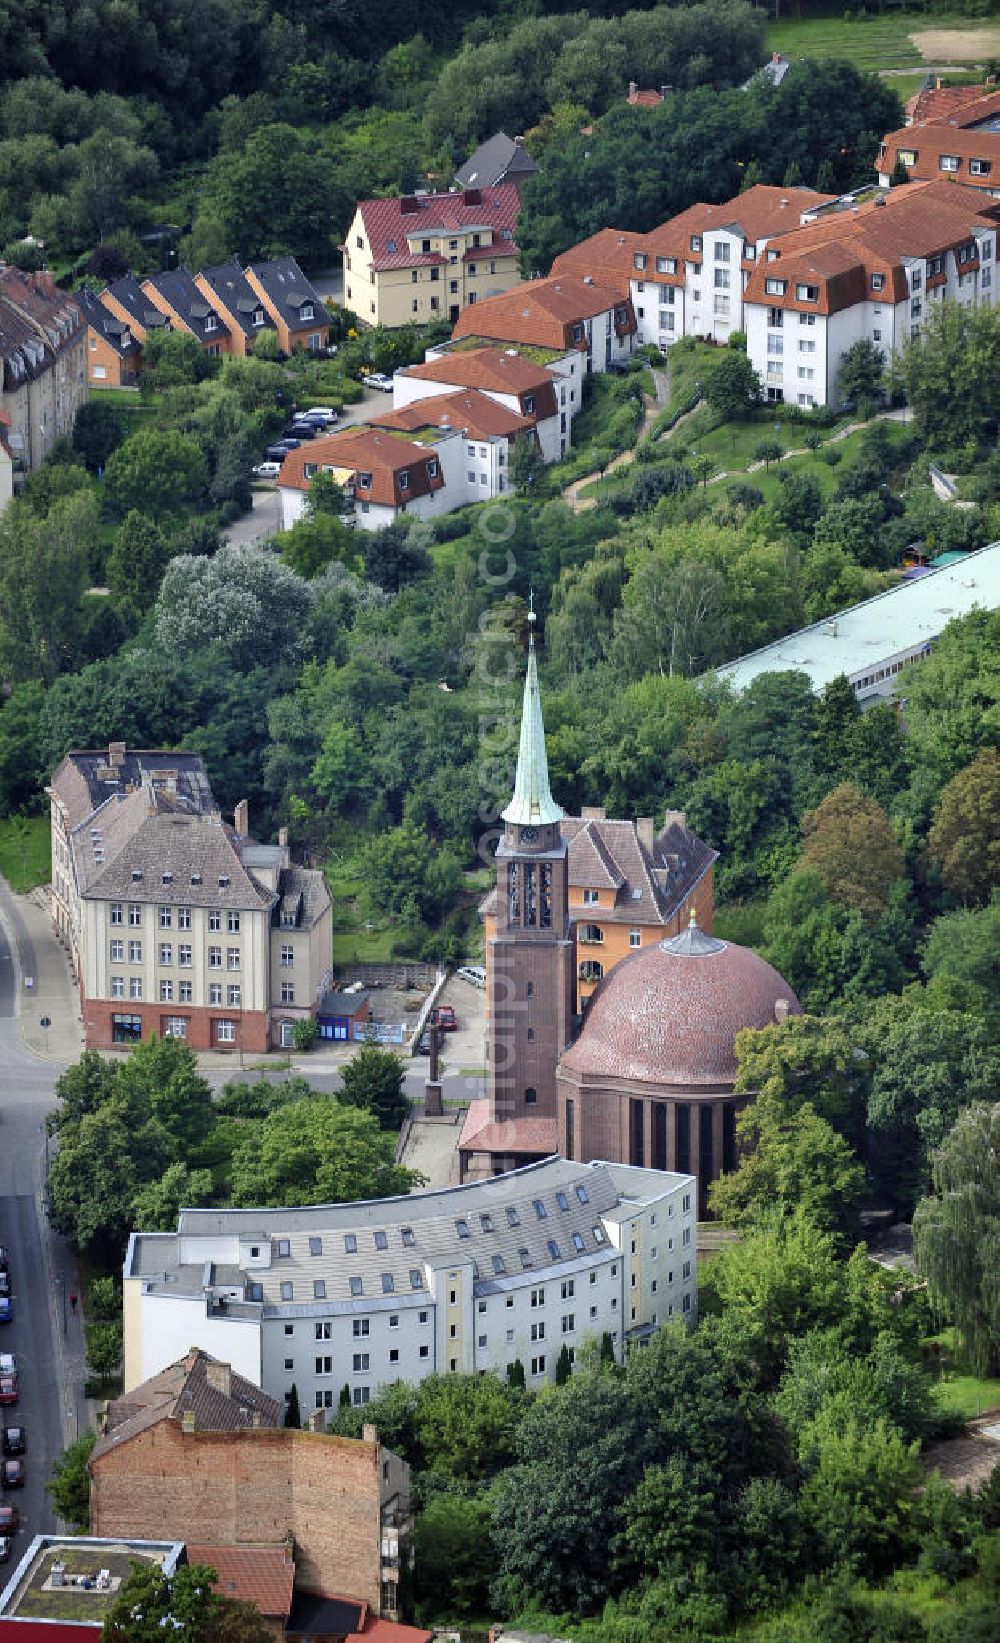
474,413
542,313
940,102
388,222
493,370
929,140
261,1575
844,249
384,456
481,1133
388,1631
607,256
645,99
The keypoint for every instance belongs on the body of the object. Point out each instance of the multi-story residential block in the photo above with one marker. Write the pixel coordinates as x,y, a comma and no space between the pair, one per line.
202,1447
487,434
426,256
384,474
114,355
865,272
295,307
43,363
687,277
545,396
178,296
571,313
227,288
958,140
501,159
177,923
458,1280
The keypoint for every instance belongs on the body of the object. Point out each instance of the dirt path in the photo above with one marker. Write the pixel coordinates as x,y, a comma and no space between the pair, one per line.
652,407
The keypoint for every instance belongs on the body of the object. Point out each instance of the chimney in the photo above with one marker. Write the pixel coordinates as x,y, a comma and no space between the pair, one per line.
283,838
781,1008
241,819
471,196
408,205
220,1376
256,1420
593,812
116,754
518,142
644,828
674,818
187,1420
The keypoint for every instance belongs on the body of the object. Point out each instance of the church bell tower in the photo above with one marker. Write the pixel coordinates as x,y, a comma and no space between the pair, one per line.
530,969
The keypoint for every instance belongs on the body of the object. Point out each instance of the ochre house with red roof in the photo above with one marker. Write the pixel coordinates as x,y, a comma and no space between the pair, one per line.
871,272
424,257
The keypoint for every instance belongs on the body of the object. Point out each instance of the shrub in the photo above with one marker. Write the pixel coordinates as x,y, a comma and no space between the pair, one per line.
304,1035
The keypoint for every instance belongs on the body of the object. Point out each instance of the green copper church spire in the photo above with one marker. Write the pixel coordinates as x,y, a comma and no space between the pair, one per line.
532,804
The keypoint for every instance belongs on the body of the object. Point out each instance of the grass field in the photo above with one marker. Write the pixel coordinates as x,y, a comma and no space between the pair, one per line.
957,1390
25,845
894,40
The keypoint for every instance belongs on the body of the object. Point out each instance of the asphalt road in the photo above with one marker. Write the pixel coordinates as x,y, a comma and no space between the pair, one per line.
37,1258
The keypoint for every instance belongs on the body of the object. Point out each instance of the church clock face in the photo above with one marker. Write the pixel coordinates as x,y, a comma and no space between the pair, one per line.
529,835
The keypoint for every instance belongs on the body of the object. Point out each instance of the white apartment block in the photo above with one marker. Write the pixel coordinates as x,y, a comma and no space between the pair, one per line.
872,272
459,1280
176,923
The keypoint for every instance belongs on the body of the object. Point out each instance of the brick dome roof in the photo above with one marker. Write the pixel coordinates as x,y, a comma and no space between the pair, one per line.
669,1014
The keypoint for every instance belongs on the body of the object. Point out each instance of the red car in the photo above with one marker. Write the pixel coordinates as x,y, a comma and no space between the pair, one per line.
8,1386
8,1521
13,1474
444,1016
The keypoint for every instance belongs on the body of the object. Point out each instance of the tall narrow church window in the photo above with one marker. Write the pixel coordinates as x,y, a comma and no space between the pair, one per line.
545,872
637,1137
514,891
659,1135
530,905
682,1162
570,1129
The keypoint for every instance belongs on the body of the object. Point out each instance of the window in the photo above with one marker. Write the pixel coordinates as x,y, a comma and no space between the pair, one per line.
877,335
361,1327
948,162
567,1289
117,986
695,242
404,479
381,1241
288,992
233,923
639,261
578,1243
935,265
134,915
135,952
568,1323
184,955
117,952
362,1394
775,318
591,934
225,1032
775,345
807,319
635,938
361,1362
462,1228
232,958
116,912
233,997
540,1211
807,293
806,373
388,1283
417,1282
166,953
214,918
775,287
324,1366
215,992
538,1332
554,1250
916,308
166,992
807,345
562,1200
598,1232
498,1265
215,958
878,282
286,956
722,279
980,168
166,918
907,156
538,1365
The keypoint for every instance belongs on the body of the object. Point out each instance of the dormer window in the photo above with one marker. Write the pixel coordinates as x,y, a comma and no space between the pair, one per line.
775,288
258,316
878,282
948,162
620,316
666,265
696,242
136,875
807,293
211,324
432,468
168,878
390,246
223,881
907,156
980,168
404,479
640,260
529,404
306,311
364,482
577,333
195,878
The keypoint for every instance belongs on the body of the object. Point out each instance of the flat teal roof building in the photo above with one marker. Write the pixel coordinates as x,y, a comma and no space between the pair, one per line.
872,642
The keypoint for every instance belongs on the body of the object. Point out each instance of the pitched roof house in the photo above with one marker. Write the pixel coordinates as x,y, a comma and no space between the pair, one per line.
562,314
227,288
960,142
500,159
295,306
385,472
177,295
114,356
126,299
43,369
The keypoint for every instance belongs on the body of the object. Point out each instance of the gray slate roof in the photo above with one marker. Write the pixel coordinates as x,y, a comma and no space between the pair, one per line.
83,780
498,160
182,1386
288,289
106,324
177,288
233,288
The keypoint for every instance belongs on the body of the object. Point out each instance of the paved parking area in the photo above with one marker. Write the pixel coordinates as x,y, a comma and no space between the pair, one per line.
464,1050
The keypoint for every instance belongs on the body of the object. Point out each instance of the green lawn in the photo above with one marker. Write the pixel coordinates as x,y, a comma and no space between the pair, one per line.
957,1390
25,860
875,43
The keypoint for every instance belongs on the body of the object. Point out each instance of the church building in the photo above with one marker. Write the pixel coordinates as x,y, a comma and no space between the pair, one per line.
600,1048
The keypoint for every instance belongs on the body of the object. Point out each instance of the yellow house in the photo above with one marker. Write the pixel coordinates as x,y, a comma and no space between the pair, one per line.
424,257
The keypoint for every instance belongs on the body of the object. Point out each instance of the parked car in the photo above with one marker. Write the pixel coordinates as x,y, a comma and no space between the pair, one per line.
445,1018
379,380
13,1440
327,412
423,1045
316,421
276,453
6,1547
4,1283
4,1259
288,443
473,973
9,1386
13,1474
266,470
6,1310
8,1521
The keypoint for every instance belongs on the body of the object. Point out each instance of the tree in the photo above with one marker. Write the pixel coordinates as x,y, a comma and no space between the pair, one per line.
293,1414
861,1489
672,617
98,430
373,1079
527,465
963,948
807,1059
862,368
401,867
834,723
515,1375
564,1366
104,1349
161,1077
964,839
848,840
953,699
768,451
174,359
69,1486
899,175
453,1556
317,1151
557,1512
150,1604
733,387
242,600
44,572
157,471
93,1176
276,194
795,1162
948,373
137,560
956,1232
156,1207
109,169
465,1426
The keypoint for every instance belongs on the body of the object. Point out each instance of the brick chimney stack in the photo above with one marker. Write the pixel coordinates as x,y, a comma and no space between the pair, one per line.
220,1376
241,819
